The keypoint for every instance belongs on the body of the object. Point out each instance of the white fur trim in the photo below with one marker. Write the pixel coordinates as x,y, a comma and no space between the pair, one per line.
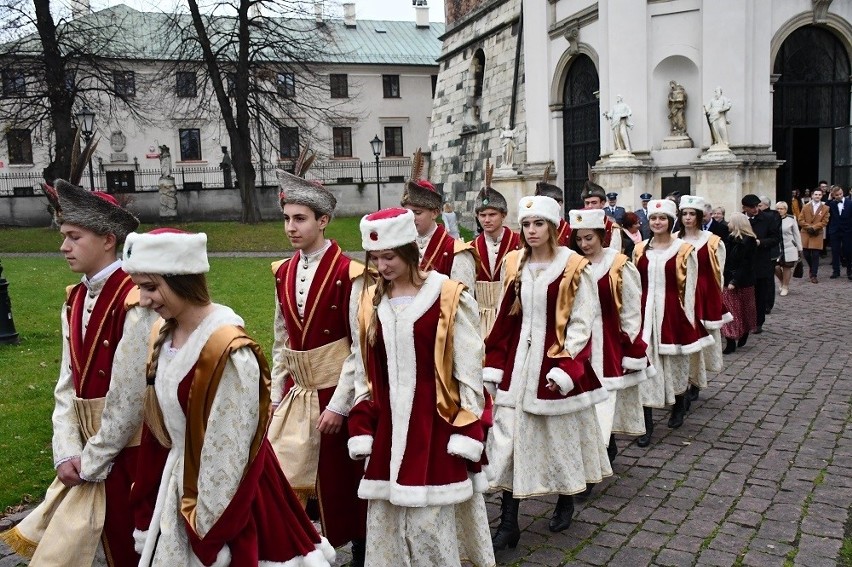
415,496
692,202
223,558
665,206
712,325
567,405
165,253
388,228
360,446
691,348
491,374
561,379
614,383
464,447
630,363
587,219
139,538
541,207
322,556
479,481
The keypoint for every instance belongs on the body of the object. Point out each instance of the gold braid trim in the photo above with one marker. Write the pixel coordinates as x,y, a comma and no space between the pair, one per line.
713,247
565,302
682,259
615,279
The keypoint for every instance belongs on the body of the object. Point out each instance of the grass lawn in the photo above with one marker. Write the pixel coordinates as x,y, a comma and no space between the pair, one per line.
28,371
221,236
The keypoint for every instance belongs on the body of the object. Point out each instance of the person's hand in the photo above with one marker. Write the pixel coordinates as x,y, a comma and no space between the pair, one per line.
329,422
552,386
68,472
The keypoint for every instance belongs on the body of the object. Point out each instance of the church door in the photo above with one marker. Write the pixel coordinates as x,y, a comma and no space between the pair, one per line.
581,127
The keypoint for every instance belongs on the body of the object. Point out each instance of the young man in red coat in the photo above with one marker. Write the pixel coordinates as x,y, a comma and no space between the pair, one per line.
98,412
314,358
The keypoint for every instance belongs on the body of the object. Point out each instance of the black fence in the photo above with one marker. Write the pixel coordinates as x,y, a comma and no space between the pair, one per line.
196,178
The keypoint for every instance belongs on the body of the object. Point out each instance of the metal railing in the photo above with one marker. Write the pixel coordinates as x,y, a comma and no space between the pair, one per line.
213,177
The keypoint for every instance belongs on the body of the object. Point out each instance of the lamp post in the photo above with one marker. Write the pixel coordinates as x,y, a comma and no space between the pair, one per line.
377,144
86,120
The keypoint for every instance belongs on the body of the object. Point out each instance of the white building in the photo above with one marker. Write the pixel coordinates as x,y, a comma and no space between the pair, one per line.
379,82
552,68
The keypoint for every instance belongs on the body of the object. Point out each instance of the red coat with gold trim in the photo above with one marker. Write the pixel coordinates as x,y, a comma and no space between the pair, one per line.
509,241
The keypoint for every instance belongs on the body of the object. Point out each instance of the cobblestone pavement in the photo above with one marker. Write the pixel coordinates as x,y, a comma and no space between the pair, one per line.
760,474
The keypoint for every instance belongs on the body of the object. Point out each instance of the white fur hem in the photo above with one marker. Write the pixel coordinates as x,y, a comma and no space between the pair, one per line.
567,405
480,481
320,557
491,374
464,447
415,496
223,558
629,363
621,382
561,378
139,538
691,348
360,446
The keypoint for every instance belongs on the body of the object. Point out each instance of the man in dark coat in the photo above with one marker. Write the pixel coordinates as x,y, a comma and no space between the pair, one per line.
719,228
839,232
768,234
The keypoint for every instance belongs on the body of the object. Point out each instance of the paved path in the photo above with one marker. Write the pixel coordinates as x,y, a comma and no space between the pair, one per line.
760,474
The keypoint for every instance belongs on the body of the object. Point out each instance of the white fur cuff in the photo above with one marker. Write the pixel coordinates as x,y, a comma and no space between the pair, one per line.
491,388
629,363
223,559
139,538
360,446
561,379
480,482
465,447
491,374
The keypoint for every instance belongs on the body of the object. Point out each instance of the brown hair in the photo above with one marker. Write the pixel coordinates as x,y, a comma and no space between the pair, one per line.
601,232
411,256
192,288
629,219
526,252
699,221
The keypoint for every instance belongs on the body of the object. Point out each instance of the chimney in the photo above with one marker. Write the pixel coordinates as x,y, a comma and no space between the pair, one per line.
421,10
79,8
349,14
318,11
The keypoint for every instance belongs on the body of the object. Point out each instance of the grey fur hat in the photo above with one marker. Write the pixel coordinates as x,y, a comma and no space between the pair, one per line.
94,210
546,189
592,189
488,197
294,189
420,192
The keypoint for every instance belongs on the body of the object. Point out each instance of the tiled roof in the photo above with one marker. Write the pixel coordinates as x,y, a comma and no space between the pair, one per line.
141,35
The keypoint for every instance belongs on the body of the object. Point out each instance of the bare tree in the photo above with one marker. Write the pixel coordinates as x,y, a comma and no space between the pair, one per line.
261,63
54,65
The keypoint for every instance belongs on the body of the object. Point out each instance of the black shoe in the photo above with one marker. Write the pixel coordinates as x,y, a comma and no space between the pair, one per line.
645,439
359,549
562,515
678,412
731,346
694,390
508,533
583,496
758,330
833,276
611,449
743,340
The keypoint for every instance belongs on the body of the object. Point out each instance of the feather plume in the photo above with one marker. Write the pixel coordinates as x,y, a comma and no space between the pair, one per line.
416,166
80,157
546,175
304,161
489,172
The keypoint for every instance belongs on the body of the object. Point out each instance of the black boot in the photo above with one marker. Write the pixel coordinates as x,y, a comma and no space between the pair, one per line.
562,514
678,412
359,549
611,449
743,340
730,346
645,440
508,533
693,392
583,496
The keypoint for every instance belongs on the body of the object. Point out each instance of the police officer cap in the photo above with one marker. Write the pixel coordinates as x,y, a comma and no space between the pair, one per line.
612,195
646,196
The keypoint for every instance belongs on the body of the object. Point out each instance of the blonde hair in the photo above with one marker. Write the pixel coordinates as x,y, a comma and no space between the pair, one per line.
782,204
448,208
739,226
526,252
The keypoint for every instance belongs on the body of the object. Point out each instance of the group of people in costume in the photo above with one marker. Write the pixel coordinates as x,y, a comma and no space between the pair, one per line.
401,389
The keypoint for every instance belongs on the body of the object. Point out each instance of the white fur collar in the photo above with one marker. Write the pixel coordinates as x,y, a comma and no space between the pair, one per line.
421,302
600,269
699,240
669,252
553,271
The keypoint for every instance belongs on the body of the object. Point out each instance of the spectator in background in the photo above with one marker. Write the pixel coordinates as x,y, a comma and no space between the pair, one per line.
791,247
642,213
812,222
840,232
768,234
738,291
766,206
631,235
719,215
795,204
613,210
717,227
451,222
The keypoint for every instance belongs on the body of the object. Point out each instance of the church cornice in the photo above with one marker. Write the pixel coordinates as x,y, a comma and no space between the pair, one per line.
568,26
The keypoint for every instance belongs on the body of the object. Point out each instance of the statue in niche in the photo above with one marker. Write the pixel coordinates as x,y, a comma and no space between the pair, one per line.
507,139
677,109
620,123
717,117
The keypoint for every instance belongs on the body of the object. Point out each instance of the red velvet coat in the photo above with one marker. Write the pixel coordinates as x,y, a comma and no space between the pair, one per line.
709,308
510,241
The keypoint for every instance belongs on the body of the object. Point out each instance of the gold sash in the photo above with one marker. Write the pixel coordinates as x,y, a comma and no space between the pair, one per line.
69,522
488,297
292,431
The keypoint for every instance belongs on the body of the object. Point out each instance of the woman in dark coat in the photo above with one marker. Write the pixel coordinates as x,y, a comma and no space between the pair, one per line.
738,290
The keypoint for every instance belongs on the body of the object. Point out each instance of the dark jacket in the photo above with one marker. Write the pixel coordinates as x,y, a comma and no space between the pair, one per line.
739,261
719,228
767,228
837,222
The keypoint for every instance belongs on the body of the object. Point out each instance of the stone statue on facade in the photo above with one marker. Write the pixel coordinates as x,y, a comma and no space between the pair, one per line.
716,111
166,185
507,139
620,123
677,108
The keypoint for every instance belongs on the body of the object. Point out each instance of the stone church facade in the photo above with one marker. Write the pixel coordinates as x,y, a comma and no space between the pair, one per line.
545,73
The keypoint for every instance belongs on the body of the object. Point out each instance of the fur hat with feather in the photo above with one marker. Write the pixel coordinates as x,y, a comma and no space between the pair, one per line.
296,190
419,192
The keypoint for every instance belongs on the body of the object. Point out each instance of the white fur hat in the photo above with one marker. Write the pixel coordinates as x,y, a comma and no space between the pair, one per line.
165,251
387,229
692,202
541,207
666,206
587,218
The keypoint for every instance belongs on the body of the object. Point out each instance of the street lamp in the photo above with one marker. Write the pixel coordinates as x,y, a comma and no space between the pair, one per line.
86,120
377,144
